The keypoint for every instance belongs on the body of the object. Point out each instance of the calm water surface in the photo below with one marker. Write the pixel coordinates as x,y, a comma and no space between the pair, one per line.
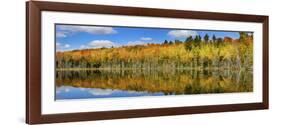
83,84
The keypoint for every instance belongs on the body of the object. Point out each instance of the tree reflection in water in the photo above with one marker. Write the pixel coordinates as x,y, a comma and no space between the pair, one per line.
161,82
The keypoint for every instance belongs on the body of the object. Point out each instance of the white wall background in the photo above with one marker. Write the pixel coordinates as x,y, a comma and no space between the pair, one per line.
12,63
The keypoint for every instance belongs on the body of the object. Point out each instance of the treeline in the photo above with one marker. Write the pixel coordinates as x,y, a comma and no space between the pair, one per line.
194,52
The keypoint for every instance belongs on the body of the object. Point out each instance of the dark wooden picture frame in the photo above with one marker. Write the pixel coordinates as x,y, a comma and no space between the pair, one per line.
33,61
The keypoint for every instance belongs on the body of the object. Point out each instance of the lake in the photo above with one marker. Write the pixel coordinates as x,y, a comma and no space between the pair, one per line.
106,83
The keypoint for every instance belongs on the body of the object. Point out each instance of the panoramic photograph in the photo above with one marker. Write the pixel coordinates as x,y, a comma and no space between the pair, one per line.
114,61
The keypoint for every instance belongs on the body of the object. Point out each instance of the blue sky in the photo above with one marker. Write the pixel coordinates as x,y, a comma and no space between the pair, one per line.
71,37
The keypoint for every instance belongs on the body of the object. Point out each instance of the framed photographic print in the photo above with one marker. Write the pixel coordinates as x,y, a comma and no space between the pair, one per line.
93,62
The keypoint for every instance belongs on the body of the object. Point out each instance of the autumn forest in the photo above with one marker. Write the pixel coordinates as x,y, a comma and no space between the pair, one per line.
168,62
198,53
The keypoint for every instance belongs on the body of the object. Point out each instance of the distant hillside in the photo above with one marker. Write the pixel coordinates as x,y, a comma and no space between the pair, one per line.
192,53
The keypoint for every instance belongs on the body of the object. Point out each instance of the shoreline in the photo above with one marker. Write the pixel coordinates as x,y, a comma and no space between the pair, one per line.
203,69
